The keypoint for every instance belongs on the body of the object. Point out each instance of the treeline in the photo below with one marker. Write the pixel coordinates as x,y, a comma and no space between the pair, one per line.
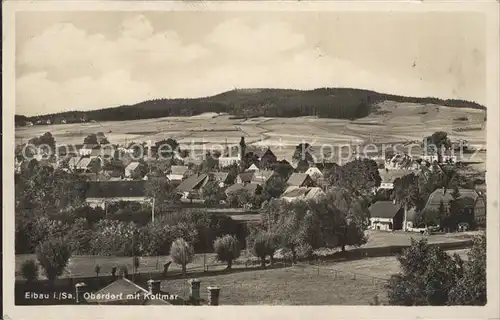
341,103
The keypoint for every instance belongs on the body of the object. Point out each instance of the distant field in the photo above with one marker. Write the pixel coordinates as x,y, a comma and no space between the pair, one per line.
399,122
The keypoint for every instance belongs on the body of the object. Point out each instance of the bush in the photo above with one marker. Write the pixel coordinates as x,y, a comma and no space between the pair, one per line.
182,253
123,270
80,237
264,245
53,256
304,251
114,238
227,249
29,270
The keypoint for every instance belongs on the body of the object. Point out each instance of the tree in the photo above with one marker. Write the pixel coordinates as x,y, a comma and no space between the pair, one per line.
137,263
427,275
359,177
438,142
97,270
167,148
53,256
212,193
227,249
406,193
46,140
29,270
243,146
471,288
239,198
91,139
263,244
274,187
182,253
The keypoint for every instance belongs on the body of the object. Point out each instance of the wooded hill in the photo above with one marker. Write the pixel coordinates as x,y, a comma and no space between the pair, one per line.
341,103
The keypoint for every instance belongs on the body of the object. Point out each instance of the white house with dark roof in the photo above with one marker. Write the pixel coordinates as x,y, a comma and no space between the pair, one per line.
177,173
190,189
386,215
100,193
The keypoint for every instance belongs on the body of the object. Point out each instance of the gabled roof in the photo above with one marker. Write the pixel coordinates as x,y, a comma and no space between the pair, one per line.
116,189
193,182
252,188
90,146
262,176
246,176
73,162
389,176
132,166
220,176
178,170
268,153
445,195
384,209
252,168
297,179
305,192
83,163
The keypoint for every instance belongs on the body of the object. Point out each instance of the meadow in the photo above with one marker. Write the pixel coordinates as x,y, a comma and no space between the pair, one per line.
392,123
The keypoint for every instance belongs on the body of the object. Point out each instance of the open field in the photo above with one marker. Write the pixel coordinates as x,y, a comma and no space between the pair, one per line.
82,266
392,123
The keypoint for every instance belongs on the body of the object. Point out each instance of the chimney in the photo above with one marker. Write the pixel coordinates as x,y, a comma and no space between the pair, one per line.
195,290
154,286
79,291
213,296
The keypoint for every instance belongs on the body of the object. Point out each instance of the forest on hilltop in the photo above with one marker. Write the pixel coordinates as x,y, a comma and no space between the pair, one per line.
340,103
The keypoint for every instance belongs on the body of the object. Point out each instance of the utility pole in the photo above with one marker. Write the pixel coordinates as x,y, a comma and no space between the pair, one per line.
153,211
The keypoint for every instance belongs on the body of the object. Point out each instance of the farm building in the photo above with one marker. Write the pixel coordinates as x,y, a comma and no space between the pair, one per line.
268,159
262,176
177,173
386,215
222,178
245,177
86,149
473,203
315,173
252,168
190,188
133,170
389,177
99,193
300,180
252,188
294,193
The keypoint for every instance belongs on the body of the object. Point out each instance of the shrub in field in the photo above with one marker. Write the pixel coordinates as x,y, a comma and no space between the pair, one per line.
97,270
53,256
115,238
264,244
182,253
227,249
304,251
29,270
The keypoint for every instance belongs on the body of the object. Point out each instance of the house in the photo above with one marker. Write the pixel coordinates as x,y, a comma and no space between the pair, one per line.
262,176
222,178
301,165
225,161
294,193
177,173
125,292
73,163
86,149
389,177
100,193
114,168
134,170
268,159
191,188
245,177
252,168
315,173
106,152
252,188
89,164
473,203
300,180
386,215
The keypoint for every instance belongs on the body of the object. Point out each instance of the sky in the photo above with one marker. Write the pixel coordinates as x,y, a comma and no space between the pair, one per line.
91,60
